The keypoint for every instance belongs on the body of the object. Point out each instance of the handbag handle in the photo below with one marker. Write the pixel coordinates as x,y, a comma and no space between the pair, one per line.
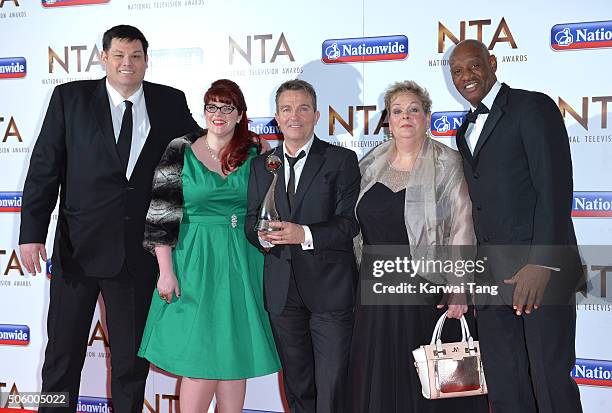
466,336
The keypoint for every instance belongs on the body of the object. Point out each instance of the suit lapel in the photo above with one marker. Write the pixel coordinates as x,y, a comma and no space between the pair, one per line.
101,109
495,115
314,161
280,193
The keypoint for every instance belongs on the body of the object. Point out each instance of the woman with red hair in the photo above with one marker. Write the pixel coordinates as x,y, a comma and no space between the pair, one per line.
207,321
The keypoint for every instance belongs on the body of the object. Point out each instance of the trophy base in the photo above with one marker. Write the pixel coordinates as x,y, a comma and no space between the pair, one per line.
264,225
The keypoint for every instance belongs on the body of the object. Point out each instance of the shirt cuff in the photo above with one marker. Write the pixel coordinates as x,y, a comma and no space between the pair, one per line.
307,244
265,243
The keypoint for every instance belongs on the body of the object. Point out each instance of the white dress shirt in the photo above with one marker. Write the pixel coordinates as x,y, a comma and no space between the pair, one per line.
472,134
298,168
140,118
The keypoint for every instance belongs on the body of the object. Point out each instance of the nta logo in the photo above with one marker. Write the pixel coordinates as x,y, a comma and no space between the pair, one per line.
93,60
12,67
581,115
365,49
572,36
281,48
11,130
502,33
15,2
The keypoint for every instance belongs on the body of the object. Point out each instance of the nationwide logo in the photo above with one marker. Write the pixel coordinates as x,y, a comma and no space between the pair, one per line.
12,67
592,204
49,268
365,49
446,123
10,201
593,372
61,3
14,334
266,128
590,35
88,404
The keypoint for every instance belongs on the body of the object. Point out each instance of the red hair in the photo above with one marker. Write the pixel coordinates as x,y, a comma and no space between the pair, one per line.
236,151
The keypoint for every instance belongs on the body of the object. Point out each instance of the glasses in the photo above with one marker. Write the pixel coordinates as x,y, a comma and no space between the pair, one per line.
225,109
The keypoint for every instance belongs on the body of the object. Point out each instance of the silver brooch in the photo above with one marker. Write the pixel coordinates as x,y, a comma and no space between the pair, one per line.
234,221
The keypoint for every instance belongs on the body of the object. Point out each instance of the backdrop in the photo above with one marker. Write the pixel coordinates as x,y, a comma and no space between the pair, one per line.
350,51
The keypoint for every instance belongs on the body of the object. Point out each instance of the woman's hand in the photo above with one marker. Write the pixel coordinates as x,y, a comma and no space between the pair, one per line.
166,285
167,282
457,305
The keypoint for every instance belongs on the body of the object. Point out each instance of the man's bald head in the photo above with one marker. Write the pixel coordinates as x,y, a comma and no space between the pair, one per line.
472,44
473,70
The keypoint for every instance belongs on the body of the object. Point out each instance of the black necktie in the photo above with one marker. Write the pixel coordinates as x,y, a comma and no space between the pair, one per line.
124,143
291,184
480,109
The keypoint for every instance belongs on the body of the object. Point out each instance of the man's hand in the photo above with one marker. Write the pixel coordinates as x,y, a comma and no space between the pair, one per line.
289,233
31,255
529,285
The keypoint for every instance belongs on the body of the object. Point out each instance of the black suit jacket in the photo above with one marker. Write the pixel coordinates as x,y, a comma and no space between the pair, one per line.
520,183
325,201
101,214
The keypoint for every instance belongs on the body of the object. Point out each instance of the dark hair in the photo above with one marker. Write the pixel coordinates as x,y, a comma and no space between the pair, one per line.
123,32
237,150
297,84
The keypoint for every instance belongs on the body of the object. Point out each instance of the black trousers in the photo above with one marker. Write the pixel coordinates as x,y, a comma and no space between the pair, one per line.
314,351
527,359
71,306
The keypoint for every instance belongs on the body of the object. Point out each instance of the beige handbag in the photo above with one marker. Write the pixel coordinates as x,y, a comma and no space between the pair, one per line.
450,369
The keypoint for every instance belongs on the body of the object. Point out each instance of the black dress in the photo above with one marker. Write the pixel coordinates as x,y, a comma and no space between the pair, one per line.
382,376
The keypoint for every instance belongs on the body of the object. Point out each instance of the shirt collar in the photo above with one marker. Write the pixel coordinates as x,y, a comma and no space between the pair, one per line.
490,97
305,148
116,98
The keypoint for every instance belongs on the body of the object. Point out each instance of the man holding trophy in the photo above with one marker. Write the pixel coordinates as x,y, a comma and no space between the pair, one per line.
301,202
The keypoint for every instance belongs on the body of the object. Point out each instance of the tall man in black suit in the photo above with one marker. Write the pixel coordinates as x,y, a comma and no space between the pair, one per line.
98,146
517,164
309,272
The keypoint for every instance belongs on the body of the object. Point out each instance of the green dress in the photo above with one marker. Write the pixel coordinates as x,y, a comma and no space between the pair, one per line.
218,328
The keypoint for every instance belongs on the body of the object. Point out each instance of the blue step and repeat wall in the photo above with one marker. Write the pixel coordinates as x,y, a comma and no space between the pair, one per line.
350,51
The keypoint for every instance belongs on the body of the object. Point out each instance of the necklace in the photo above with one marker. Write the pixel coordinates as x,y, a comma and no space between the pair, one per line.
394,179
210,151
